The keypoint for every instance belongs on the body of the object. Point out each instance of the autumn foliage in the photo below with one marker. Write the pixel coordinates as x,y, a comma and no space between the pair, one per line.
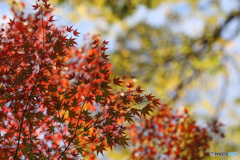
169,134
59,100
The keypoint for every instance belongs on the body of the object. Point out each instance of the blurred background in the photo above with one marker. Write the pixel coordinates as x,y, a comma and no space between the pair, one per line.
184,51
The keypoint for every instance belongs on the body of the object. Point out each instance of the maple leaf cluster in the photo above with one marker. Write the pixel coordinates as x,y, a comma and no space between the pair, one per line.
169,134
59,101
56,99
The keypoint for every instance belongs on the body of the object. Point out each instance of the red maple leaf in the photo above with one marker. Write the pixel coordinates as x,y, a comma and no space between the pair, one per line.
117,81
71,76
76,33
103,48
51,19
69,29
35,7
105,42
139,89
149,97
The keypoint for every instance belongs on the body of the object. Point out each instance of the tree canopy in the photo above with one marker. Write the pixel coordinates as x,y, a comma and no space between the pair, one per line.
180,65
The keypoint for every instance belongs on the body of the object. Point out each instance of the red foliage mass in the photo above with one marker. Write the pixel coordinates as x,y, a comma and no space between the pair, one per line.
57,100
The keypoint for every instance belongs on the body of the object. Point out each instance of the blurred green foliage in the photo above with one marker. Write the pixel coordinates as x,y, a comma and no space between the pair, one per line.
113,10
